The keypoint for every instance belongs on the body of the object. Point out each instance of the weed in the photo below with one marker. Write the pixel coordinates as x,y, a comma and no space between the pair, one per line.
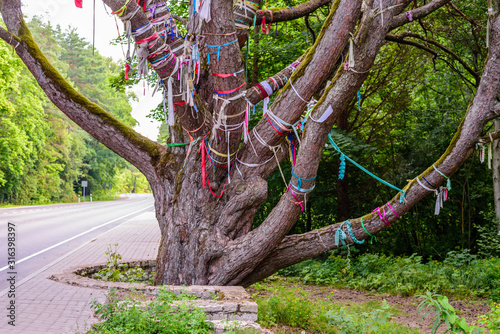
119,272
158,316
349,323
446,314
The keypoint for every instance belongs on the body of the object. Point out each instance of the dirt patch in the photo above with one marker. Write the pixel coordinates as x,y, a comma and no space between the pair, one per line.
469,309
408,306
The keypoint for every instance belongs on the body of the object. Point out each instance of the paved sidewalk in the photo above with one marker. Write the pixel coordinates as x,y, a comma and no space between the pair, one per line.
45,306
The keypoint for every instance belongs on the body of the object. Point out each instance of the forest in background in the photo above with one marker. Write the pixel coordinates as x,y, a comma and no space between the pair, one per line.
44,156
403,119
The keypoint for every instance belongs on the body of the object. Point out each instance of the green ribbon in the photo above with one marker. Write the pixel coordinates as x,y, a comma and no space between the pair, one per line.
448,181
177,144
373,237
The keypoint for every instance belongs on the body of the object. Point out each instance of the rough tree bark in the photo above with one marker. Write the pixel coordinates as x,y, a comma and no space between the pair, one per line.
209,240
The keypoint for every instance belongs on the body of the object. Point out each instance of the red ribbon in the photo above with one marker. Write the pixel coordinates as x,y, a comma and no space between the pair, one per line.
225,92
179,104
265,29
127,69
148,39
144,6
78,3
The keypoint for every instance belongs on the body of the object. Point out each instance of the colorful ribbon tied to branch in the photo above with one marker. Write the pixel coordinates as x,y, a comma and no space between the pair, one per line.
441,194
218,49
448,181
342,236
402,193
372,236
382,215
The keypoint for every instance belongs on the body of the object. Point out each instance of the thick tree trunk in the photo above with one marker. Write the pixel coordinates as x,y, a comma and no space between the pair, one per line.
207,239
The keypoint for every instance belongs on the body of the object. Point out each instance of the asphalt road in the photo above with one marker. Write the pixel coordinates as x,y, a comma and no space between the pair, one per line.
45,233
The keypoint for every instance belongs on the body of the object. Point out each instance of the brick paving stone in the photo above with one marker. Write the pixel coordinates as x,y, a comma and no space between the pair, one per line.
49,307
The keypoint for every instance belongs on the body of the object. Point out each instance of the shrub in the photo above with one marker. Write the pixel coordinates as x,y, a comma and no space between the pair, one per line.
460,273
158,316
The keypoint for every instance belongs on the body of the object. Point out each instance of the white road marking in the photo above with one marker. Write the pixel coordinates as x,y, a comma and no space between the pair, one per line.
74,237
41,270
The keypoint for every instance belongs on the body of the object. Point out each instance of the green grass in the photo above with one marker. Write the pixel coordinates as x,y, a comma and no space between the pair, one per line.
460,275
282,303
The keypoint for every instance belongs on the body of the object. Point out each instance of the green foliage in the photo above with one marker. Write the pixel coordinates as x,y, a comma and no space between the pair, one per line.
446,314
460,274
298,307
158,316
360,323
44,156
488,241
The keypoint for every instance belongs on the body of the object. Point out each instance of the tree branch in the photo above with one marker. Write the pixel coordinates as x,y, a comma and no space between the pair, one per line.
307,78
306,21
401,37
275,15
296,248
277,81
490,137
418,13
460,13
397,39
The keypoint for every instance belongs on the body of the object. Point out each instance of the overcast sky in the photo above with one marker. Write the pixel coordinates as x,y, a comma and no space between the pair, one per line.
65,13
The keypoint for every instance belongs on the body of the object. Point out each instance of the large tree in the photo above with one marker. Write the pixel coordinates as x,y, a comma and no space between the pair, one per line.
204,208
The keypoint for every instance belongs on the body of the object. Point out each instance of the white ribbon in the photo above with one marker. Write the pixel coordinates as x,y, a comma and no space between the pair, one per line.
381,13
325,115
351,53
170,99
439,201
204,10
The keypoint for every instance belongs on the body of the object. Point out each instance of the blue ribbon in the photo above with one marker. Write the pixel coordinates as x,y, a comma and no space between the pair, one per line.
218,49
340,235
299,184
401,199
358,94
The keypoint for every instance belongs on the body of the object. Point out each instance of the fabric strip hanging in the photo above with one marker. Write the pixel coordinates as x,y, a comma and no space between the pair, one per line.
351,62
204,10
78,3
402,193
